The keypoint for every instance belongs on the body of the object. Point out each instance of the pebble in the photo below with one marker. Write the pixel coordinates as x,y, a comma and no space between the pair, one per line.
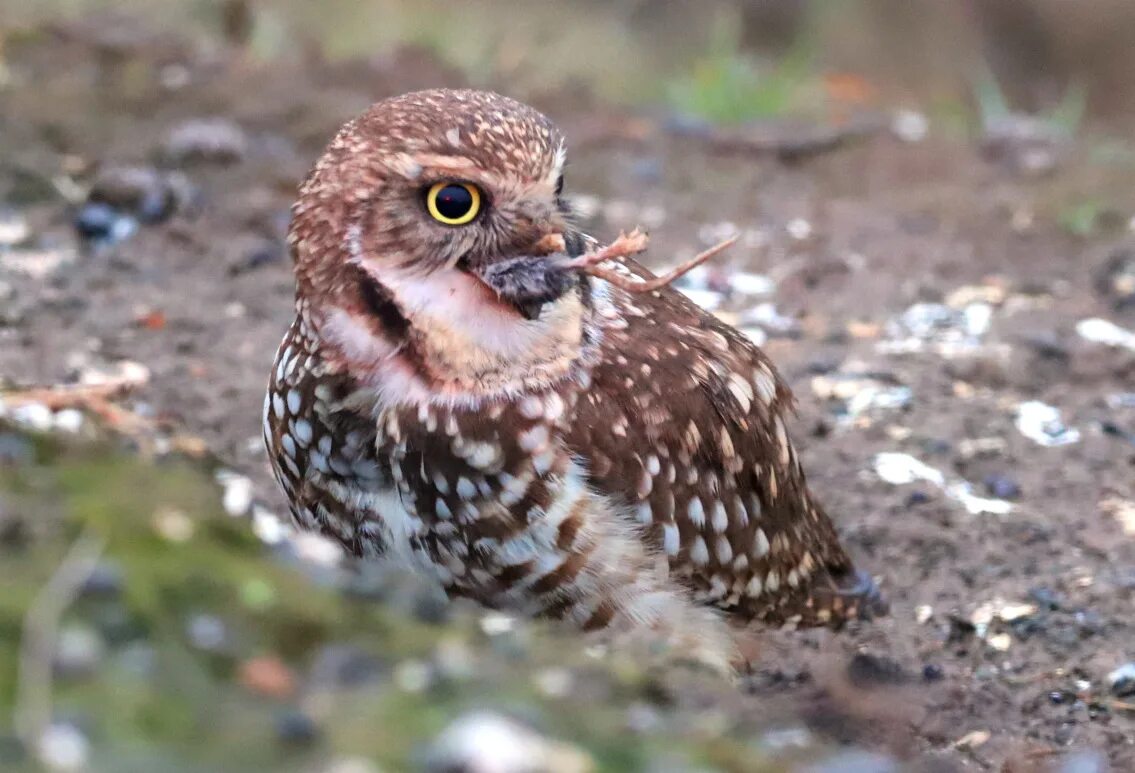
295,727
910,125
13,228
63,747
102,223
36,417
1042,424
412,676
1101,331
1116,279
484,742
206,140
69,420
902,469
207,632
932,672
78,652
105,580
237,497
867,670
1121,681
340,666
268,527
744,283
267,676
1002,486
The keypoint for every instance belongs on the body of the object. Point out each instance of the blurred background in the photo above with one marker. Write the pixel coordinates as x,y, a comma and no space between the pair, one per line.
937,223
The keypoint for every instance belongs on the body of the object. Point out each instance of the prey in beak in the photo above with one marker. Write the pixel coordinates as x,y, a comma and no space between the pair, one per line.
528,282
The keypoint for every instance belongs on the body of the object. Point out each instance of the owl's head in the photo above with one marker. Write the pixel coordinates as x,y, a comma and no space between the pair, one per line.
402,227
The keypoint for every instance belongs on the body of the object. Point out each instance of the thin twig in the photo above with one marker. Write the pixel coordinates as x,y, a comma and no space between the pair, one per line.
32,714
632,244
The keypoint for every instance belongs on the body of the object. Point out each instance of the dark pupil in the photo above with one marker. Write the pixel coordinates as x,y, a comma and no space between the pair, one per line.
454,201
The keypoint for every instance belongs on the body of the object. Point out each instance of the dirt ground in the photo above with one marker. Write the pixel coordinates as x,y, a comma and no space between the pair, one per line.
1004,627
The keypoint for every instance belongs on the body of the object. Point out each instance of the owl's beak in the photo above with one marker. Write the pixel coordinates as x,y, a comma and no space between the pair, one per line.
529,281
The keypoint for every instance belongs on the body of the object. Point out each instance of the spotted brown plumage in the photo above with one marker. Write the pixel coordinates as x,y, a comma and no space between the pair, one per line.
533,438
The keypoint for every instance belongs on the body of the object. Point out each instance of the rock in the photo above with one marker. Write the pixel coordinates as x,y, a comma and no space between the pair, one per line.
98,222
267,676
237,497
1121,681
36,417
484,742
13,228
78,652
295,727
143,192
1002,486
105,580
207,632
206,140
1042,424
867,670
932,672
339,666
1115,280
63,747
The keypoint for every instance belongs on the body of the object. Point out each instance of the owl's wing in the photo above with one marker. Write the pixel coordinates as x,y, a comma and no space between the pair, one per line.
684,423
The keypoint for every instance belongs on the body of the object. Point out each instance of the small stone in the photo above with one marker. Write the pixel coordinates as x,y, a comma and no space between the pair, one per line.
207,632
1121,681
36,417
1083,761
78,652
63,747
484,742
294,727
101,222
932,672
867,670
13,228
267,676
69,420
412,676
105,580
173,524
237,498
340,666
910,125
206,140
1002,486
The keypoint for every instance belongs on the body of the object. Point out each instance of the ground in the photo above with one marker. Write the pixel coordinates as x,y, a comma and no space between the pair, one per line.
1004,626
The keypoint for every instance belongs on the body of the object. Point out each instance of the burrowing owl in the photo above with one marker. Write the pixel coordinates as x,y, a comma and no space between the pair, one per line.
534,438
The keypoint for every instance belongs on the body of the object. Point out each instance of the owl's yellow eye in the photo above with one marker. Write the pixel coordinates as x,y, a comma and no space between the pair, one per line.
453,203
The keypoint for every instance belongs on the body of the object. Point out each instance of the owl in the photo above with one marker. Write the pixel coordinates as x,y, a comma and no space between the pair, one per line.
450,396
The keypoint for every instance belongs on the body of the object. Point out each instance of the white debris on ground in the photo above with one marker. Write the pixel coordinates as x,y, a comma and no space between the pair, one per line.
938,328
484,742
1042,424
1101,331
860,395
901,469
237,492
